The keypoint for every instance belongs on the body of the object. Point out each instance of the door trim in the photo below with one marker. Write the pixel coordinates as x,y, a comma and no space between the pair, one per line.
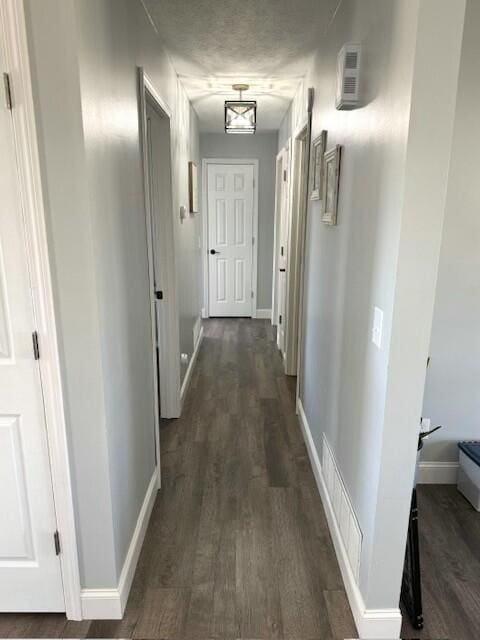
169,352
276,225
282,160
205,163
297,216
13,26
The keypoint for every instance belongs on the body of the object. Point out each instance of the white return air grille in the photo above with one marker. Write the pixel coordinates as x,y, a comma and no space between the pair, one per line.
348,77
342,507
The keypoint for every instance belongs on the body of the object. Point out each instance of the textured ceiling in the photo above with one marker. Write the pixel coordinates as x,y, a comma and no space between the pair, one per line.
266,43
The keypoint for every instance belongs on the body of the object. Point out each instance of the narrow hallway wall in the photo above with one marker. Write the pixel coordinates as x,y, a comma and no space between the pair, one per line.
350,267
85,59
382,254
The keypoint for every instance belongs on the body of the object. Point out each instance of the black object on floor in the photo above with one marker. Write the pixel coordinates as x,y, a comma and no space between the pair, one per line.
411,594
412,584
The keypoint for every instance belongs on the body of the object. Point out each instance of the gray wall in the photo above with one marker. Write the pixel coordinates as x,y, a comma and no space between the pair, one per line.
452,392
382,253
344,374
85,57
285,130
261,146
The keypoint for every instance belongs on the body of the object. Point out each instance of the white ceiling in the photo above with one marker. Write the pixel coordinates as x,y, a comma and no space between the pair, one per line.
265,43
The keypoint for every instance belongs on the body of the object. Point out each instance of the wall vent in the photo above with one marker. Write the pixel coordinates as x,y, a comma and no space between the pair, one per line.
348,77
343,509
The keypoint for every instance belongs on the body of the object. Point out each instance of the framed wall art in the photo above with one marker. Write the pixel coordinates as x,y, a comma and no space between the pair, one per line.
319,146
192,187
331,181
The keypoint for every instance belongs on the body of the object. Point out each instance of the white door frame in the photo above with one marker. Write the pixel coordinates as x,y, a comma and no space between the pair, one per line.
169,338
303,241
276,227
282,159
205,163
296,233
13,26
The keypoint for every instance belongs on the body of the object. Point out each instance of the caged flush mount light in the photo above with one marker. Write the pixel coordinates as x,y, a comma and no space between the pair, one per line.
240,115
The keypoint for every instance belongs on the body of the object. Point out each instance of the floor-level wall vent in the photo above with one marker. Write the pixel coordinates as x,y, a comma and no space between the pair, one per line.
342,507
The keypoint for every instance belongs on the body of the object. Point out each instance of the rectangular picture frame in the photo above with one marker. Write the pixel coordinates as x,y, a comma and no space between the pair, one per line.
319,146
331,181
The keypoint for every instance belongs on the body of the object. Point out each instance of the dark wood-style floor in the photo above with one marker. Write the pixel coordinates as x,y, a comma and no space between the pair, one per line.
238,544
450,557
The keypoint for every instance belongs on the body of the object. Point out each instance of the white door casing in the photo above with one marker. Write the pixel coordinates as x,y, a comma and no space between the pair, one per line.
230,206
296,231
161,247
30,571
276,239
282,249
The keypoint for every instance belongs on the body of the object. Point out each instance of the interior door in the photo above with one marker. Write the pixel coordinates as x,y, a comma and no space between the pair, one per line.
282,255
30,577
230,239
154,174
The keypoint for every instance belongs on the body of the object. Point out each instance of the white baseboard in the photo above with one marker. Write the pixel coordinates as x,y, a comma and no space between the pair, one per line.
204,313
372,624
264,314
101,604
196,329
437,473
109,604
191,365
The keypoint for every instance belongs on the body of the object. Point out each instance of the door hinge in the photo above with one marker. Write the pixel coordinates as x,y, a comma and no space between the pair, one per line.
284,175
253,241
254,183
280,319
281,251
8,91
36,348
56,540
251,294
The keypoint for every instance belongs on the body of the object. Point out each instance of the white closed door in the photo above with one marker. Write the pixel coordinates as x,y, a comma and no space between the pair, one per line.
30,577
230,239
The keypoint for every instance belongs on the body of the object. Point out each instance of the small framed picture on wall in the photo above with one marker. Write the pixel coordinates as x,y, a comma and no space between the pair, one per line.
331,181
192,187
319,146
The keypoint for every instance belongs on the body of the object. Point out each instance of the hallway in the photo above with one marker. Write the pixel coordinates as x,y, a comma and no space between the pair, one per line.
238,544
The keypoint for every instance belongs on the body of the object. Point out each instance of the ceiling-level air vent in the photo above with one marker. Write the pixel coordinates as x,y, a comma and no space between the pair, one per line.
348,77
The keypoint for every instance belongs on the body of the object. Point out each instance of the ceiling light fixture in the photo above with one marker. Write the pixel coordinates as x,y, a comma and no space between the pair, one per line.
240,115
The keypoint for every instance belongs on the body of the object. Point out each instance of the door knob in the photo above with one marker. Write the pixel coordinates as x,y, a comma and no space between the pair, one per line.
213,252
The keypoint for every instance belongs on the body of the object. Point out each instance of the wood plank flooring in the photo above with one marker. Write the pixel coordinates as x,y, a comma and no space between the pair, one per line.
238,545
450,557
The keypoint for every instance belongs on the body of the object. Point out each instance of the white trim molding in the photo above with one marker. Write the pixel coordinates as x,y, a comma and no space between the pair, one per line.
279,161
296,220
372,624
14,32
167,311
109,604
254,285
264,314
191,365
437,472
